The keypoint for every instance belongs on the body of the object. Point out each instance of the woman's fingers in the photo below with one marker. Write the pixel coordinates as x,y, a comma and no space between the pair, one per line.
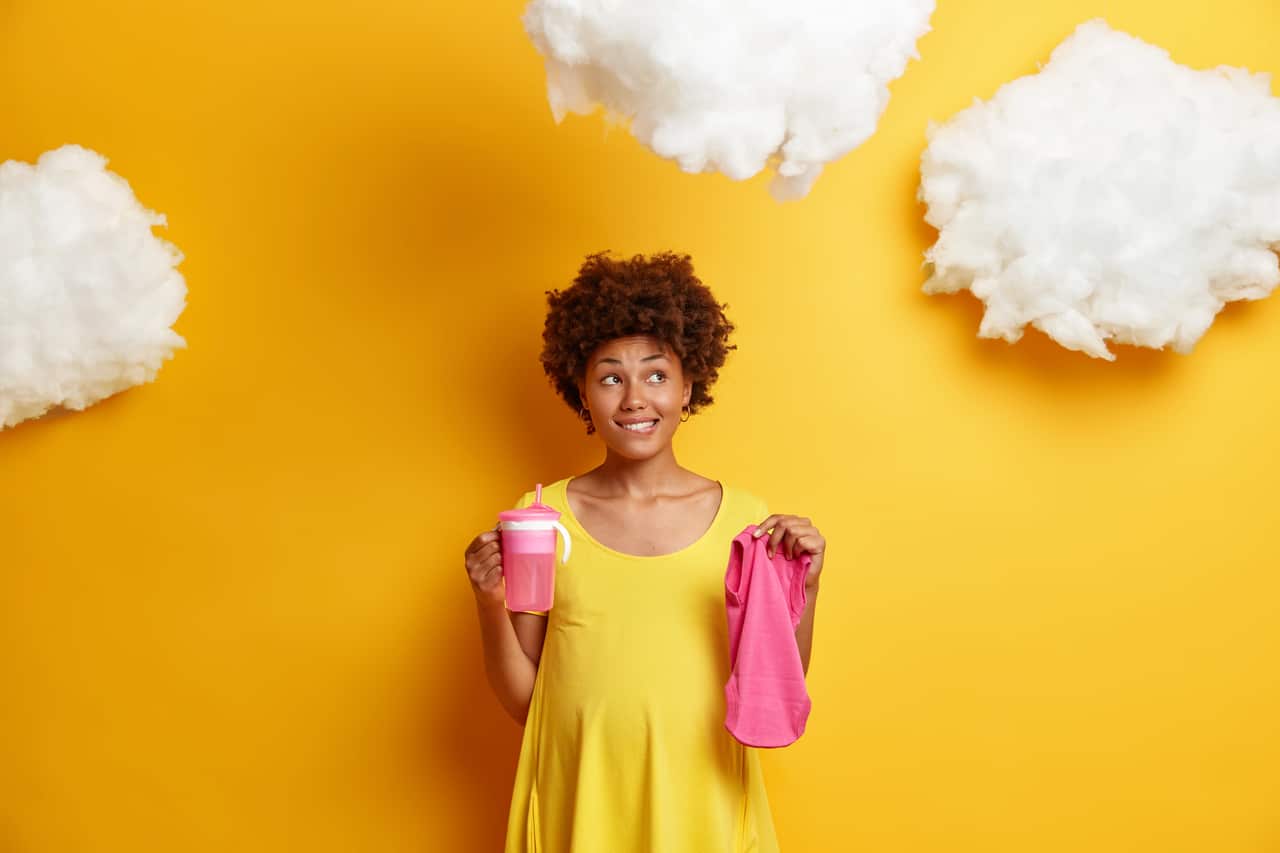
801,540
483,562
483,544
476,544
799,534
779,524
788,531
787,535
487,573
779,532
490,575
490,561
484,558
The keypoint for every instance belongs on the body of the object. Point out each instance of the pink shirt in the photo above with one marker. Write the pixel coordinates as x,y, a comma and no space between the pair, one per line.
765,698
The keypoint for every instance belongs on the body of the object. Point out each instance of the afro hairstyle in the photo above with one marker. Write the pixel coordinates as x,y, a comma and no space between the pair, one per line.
658,295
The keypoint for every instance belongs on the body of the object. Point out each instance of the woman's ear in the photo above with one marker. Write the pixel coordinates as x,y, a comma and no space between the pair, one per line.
688,393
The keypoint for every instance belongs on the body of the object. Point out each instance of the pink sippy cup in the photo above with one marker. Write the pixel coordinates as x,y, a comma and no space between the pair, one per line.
529,553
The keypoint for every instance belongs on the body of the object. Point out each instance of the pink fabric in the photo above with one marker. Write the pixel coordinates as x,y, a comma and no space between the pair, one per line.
765,698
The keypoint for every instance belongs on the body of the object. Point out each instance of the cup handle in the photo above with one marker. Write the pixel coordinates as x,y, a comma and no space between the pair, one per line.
565,534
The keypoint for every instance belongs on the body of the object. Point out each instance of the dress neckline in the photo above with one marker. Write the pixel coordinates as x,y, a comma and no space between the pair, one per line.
715,522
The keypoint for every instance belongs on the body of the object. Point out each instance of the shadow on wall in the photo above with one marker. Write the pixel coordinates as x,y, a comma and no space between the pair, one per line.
445,218
116,406
462,741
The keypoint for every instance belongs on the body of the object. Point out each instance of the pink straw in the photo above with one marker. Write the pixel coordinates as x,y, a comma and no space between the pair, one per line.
537,497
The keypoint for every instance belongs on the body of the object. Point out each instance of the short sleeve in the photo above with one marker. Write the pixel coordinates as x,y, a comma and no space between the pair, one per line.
524,501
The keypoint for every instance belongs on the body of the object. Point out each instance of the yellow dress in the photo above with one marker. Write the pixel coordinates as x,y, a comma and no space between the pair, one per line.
625,749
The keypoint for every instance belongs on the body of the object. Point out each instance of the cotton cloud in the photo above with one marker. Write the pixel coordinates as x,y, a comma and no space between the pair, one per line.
732,85
1114,196
87,292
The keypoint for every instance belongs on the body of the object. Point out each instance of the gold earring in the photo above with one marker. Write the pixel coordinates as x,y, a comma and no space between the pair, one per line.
687,414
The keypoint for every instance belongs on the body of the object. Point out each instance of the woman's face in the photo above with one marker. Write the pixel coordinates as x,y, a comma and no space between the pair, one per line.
635,379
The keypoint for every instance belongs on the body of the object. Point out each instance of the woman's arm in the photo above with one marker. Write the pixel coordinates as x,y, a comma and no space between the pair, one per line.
512,641
531,630
512,649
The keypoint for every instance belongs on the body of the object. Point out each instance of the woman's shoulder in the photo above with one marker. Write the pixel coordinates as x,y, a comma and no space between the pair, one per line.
744,501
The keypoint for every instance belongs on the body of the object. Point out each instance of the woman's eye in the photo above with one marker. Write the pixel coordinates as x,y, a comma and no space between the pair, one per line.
614,376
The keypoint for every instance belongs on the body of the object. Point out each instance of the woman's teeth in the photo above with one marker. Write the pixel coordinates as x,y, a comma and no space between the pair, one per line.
640,427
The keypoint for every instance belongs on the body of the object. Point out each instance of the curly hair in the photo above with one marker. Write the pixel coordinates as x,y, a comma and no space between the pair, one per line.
613,298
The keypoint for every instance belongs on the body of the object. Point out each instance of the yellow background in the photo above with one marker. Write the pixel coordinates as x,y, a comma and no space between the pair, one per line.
233,612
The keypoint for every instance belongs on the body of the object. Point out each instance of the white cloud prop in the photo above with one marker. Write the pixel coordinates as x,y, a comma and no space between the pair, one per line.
1113,196
87,292
732,85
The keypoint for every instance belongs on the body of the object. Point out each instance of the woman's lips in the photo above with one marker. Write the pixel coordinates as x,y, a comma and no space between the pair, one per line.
649,430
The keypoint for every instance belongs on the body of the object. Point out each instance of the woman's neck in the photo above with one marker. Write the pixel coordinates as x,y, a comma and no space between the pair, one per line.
639,478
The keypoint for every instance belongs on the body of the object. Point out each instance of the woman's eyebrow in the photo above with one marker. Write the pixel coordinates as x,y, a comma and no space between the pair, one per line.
617,361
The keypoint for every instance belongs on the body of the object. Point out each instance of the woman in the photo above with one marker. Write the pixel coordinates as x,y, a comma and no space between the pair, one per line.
620,685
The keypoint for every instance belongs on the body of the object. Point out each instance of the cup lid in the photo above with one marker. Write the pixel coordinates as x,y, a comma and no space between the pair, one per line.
536,511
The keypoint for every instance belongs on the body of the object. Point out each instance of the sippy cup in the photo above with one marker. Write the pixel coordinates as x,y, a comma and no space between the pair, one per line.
529,553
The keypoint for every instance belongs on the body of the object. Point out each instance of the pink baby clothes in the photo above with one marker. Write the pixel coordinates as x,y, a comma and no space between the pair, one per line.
765,698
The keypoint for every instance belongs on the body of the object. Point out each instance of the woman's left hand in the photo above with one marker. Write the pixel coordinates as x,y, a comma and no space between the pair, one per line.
794,535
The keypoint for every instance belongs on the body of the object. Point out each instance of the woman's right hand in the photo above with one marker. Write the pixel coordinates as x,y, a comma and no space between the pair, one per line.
483,559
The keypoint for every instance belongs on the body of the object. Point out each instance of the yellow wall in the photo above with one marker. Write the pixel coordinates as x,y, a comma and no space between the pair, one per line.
233,614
